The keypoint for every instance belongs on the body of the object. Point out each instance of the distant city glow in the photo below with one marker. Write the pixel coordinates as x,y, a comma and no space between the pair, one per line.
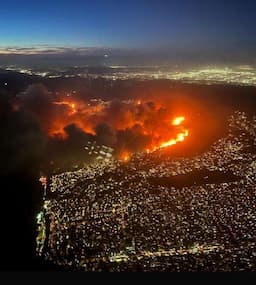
240,74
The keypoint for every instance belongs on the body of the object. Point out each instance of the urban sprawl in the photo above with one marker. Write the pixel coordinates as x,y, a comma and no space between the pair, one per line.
156,213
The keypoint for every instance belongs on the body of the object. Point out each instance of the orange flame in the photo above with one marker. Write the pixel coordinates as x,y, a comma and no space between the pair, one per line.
125,156
71,105
89,115
177,121
179,138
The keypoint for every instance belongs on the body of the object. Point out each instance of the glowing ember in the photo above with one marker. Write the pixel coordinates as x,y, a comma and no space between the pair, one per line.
71,105
177,121
124,156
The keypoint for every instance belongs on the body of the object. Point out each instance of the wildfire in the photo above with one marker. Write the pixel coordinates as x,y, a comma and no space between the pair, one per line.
71,105
125,156
179,138
75,112
177,121
137,119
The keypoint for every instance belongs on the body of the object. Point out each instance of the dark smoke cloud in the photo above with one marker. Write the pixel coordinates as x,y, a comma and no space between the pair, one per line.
22,140
105,135
38,101
132,140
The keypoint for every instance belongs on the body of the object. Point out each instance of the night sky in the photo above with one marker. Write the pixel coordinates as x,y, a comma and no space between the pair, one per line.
187,25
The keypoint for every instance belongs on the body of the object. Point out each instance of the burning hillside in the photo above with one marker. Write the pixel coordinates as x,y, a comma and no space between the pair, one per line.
127,126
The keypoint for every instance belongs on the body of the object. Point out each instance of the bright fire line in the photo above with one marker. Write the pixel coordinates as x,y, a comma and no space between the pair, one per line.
177,121
180,136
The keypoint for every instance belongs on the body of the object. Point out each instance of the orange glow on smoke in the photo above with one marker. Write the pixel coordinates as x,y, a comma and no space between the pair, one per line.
138,117
71,105
71,112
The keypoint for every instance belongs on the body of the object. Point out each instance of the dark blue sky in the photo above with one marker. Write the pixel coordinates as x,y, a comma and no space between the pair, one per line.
175,24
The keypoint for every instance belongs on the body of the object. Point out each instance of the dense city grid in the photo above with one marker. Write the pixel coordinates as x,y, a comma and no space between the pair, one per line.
157,213
239,75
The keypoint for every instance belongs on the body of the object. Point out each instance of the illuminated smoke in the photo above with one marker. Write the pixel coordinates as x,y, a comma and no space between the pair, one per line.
128,126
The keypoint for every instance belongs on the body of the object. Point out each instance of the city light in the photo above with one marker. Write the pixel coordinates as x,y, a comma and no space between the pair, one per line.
124,212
